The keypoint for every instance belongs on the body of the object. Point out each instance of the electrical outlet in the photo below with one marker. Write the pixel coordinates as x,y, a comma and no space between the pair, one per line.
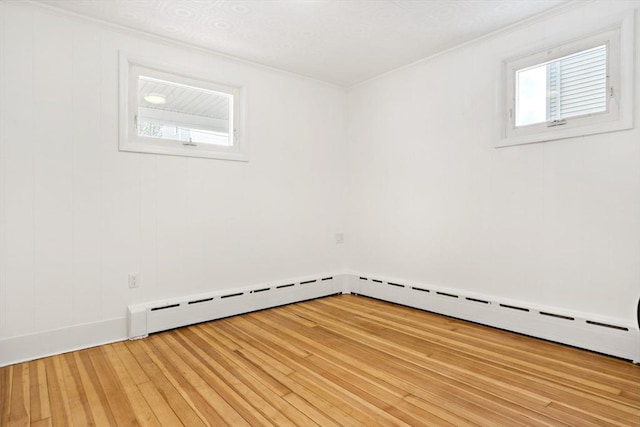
134,280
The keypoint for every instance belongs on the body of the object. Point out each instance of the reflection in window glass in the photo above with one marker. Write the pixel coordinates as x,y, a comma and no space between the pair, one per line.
174,111
532,95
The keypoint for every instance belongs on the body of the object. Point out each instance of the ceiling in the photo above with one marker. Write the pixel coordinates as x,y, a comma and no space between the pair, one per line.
343,42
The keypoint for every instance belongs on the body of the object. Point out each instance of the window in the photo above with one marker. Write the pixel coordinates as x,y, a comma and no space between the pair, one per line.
168,113
570,86
580,88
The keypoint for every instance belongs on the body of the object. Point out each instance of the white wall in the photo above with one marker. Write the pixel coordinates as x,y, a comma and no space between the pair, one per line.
78,215
431,201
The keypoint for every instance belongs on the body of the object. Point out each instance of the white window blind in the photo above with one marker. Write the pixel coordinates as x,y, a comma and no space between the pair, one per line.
577,84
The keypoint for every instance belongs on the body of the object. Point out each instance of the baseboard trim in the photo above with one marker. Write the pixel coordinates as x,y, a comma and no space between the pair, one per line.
35,346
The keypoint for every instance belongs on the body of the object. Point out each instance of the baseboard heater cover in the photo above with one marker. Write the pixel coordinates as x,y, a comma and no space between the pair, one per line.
602,335
147,318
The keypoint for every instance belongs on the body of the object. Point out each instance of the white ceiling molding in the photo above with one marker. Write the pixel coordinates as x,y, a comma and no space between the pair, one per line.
343,42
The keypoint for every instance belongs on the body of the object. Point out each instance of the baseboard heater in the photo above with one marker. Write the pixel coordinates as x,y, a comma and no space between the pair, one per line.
607,336
157,316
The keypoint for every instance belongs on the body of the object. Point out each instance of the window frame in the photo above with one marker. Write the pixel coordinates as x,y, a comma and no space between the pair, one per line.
619,39
131,68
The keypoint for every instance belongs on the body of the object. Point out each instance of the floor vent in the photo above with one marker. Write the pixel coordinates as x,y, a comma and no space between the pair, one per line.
165,307
198,301
606,325
513,307
557,316
477,300
232,295
397,285
444,294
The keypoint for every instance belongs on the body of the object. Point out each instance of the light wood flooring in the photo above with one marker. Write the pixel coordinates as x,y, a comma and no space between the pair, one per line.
337,361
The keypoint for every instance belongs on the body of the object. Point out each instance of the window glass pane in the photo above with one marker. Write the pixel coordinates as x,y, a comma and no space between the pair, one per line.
174,111
531,96
570,86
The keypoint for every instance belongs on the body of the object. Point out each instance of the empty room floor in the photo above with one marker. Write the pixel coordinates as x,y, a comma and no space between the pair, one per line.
343,360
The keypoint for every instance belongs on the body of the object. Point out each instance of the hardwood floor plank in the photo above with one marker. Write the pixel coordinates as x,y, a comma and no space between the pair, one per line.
316,384
162,410
438,408
354,363
178,377
280,384
354,405
394,352
39,391
322,344
248,394
586,416
6,376
444,338
375,332
206,373
141,409
389,397
173,397
132,366
121,408
262,356
100,410
374,395
337,361
19,403
58,399
309,410
560,357
42,423
78,402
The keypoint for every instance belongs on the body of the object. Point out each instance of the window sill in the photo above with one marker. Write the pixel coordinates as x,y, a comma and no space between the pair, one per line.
184,151
565,133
